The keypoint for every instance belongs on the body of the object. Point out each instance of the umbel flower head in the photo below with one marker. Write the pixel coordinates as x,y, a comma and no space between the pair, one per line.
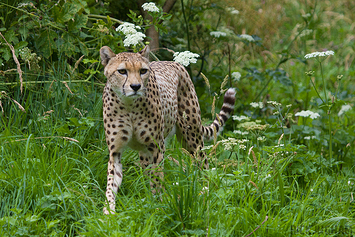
217,34
344,108
128,28
319,54
150,7
236,76
133,37
307,113
185,58
247,37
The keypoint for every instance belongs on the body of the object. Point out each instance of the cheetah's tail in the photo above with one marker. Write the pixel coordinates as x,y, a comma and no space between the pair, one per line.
222,117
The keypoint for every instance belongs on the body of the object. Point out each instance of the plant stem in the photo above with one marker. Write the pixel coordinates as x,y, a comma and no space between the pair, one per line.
330,136
328,111
324,85
314,86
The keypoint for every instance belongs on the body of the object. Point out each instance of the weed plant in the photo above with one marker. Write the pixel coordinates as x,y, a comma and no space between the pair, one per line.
283,167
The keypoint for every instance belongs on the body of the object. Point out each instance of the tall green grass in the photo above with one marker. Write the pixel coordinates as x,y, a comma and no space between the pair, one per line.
53,158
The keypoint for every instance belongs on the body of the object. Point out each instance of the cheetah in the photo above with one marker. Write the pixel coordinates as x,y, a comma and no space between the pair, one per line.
144,103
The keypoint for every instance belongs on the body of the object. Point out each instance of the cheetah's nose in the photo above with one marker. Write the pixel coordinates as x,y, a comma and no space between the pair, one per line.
135,87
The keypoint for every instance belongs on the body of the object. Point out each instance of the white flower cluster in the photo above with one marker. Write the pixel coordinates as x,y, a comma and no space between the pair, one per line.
274,103
257,105
261,139
231,142
307,113
233,11
133,37
24,4
217,34
240,118
236,76
247,37
309,137
240,132
185,58
344,108
319,54
206,147
150,7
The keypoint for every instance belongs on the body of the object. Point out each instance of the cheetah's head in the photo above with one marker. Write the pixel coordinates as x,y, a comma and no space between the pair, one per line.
127,73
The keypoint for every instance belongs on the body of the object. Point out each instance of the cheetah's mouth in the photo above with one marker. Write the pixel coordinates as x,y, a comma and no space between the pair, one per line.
132,93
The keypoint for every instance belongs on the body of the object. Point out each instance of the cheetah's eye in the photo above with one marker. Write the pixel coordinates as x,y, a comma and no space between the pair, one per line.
143,71
122,71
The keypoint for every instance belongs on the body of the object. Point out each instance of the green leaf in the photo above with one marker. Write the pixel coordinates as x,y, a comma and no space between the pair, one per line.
45,43
83,48
66,44
79,21
6,53
10,37
20,45
63,14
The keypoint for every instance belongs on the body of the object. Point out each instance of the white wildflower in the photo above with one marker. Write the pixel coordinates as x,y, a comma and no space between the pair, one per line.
24,4
204,190
311,189
150,7
228,147
254,104
263,138
207,147
185,58
247,37
274,103
344,108
319,54
309,137
307,113
243,147
257,105
133,39
236,76
240,118
128,28
232,10
217,34
240,132
314,116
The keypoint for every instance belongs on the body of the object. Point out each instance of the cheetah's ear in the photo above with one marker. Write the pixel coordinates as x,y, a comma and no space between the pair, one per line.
106,54
145,52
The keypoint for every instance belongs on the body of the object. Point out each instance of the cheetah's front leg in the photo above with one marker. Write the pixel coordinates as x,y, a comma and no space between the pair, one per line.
156,160
114,180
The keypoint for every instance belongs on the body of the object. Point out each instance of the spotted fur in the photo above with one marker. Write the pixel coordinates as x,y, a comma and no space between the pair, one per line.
145,102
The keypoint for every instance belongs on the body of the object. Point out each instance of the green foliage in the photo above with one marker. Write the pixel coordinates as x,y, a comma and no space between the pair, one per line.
272,173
